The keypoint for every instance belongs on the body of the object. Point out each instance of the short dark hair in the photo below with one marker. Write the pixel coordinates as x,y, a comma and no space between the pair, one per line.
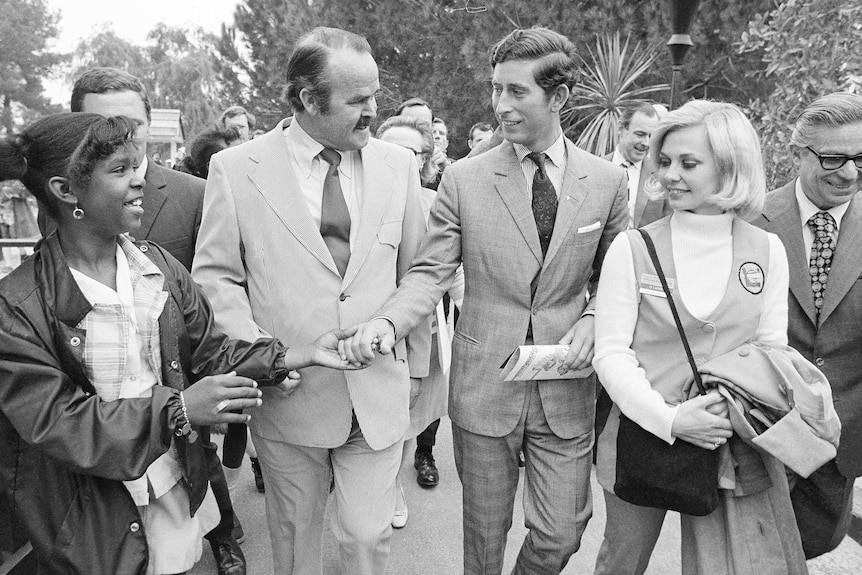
629,111
233,112
412,102
68,144
202,148
102,80
558,56
480,126
307,67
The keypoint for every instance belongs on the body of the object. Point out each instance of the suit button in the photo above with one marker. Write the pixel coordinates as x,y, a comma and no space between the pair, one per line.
135,527
342,297
75,341
144,248
743,352
709,328
175,364
818,361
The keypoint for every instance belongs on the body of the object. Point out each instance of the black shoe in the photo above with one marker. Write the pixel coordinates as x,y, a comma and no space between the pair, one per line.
258,476
229,557
427,475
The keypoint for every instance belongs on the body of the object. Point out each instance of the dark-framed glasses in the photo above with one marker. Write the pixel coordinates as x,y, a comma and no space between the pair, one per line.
828,162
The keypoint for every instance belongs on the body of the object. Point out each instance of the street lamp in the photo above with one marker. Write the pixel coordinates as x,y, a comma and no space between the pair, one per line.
682,13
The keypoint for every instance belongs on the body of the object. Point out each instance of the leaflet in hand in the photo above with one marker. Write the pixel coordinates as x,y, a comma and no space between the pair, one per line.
529,362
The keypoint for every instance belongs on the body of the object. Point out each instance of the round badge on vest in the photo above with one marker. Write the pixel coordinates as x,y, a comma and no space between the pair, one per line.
751,277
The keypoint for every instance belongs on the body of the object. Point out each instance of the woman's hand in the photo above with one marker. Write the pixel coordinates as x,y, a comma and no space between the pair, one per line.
703,421
322,352
214,398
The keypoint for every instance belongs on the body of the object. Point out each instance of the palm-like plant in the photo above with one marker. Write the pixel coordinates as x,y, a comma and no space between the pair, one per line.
606,87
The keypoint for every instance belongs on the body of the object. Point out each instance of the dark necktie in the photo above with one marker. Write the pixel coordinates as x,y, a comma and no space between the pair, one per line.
544,201
334,217
822,249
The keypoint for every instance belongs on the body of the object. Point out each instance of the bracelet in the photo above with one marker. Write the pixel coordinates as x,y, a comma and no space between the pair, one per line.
186,428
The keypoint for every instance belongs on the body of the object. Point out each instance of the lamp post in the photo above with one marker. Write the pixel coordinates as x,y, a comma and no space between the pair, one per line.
682,13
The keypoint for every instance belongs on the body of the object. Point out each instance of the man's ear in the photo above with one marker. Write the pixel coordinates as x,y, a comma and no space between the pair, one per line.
559,97
59,187
796,154
309,101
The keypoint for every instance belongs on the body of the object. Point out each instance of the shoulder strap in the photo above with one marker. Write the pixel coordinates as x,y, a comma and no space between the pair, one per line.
654,257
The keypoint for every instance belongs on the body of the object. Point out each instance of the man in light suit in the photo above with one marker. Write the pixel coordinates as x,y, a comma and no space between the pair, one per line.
305,228
632,154
531,221
826,308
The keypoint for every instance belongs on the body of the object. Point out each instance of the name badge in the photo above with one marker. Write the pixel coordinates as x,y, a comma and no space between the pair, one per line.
651,285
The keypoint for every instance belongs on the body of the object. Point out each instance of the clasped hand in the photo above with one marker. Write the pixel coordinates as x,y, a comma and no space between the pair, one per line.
703,421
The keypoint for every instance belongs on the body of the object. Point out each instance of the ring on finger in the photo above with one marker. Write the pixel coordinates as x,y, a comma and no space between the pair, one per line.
220,406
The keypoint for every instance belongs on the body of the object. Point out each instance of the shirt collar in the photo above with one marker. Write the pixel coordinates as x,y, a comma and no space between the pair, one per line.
808,209
619,159
556,152
306,150
139,264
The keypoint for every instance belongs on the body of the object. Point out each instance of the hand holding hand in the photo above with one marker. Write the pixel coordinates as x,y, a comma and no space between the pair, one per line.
214,398
581,339
375,335
325,350
703,421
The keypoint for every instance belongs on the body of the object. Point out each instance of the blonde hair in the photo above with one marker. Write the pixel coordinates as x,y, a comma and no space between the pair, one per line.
735,148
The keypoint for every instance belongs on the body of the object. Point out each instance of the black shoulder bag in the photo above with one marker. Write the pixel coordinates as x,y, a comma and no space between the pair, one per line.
652,473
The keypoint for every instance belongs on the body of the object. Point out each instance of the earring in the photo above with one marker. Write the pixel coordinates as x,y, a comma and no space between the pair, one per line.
78,213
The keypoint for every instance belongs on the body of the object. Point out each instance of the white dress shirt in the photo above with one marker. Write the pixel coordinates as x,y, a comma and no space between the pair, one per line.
310,170
634,172
555,164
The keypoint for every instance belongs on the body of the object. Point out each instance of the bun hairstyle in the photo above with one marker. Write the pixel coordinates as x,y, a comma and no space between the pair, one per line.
67,145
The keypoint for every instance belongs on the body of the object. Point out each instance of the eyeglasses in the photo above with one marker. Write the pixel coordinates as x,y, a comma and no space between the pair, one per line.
828,162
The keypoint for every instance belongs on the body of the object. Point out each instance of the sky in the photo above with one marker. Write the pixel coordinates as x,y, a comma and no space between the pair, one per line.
131,20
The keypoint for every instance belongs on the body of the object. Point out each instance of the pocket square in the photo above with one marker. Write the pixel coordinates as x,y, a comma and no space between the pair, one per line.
589,228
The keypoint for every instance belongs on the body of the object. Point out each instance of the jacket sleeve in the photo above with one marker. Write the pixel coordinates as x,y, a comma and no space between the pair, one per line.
413,230
219,266
116,440
212,352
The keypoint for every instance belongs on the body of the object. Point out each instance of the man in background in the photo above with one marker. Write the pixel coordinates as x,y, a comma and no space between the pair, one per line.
632,154
818,217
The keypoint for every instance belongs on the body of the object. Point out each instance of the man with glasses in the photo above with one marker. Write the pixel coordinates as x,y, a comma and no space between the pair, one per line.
818,216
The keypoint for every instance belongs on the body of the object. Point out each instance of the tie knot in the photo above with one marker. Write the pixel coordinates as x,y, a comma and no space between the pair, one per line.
330,156
822,221
538,159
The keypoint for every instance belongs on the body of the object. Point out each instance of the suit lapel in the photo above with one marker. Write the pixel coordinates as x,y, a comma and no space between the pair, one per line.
377,177
276,182
574,191
510,184
846,264
154,198
782,212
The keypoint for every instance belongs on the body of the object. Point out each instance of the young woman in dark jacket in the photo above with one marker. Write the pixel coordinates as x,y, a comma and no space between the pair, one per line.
104,404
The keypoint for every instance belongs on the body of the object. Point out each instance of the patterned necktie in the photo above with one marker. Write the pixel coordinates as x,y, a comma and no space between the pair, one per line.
822,249
334,217
544,201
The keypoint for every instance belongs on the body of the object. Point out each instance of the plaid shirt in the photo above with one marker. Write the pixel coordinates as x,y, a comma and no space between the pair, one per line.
109,361
108,326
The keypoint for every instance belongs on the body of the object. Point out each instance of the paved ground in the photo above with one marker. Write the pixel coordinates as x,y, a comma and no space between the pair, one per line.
430,544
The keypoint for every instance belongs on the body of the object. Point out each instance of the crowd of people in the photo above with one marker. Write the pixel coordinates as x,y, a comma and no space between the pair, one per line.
324,298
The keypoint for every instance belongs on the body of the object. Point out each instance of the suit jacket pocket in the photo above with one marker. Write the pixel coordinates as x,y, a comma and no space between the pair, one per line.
587,237
465,338
390,233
